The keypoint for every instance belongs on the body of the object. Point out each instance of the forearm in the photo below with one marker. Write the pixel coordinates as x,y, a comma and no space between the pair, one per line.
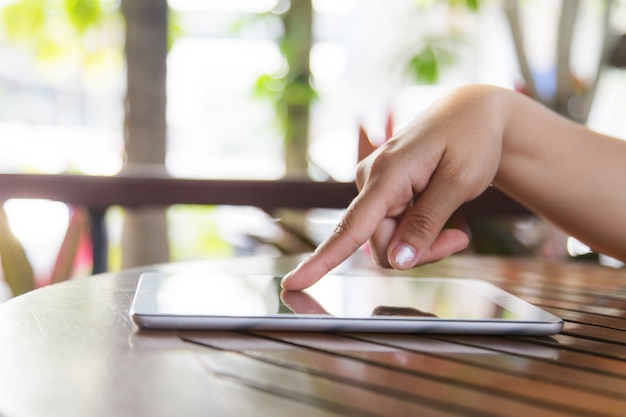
574,177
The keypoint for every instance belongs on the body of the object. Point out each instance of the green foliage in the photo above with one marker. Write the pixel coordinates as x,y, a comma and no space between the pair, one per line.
57,29
200,234
285,88
83,13
23,18
299,92
174,28
471,5
281,91
63,29
434,55
269,86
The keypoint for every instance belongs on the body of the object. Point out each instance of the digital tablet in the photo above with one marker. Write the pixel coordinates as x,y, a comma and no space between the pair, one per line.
337,303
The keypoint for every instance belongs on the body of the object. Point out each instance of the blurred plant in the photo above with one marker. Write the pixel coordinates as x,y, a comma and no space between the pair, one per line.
291,94
290,90
84,30
433,56
90,32
571,96
198,233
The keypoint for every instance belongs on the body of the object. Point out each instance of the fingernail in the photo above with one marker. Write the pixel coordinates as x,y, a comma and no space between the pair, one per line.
404,255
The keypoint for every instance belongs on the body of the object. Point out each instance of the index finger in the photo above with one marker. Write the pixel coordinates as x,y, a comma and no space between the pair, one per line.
359,222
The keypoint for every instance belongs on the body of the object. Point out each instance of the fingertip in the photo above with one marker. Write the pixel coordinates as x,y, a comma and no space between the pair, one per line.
290,285
290,282
462,241
300,277
356,226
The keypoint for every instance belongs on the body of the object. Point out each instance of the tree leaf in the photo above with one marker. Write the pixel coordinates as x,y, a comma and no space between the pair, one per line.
23,18
434,56
83,13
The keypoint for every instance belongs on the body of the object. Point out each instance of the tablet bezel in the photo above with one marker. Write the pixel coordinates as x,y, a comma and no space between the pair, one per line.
538,322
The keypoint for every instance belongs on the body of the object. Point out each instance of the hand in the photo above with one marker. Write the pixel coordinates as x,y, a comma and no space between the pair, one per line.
413,183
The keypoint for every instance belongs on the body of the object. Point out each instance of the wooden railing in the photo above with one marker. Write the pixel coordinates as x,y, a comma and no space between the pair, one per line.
98,193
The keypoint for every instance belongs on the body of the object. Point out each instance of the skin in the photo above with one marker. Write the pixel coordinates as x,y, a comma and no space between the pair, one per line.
471,138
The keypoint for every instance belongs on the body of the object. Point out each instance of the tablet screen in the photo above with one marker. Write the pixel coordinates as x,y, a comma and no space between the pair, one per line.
347,297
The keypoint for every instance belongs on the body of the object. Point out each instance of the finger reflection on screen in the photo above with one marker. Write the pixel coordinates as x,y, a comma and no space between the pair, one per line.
302,303
401,311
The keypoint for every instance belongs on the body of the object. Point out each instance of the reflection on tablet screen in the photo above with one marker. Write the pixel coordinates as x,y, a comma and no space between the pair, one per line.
338,296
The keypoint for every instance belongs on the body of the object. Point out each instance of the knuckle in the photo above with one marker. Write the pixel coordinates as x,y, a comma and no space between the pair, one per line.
457,175
422,223
344,230
379,163
362,173
375,169
464,179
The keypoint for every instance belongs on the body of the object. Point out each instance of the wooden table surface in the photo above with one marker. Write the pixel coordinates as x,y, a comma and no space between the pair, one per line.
71,350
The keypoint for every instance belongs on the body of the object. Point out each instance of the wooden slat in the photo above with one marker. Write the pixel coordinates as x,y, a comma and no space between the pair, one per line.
577,316
259,399
600,311
593,348
549,363
572,399
313,388
604,334
381,372
412,366
569,296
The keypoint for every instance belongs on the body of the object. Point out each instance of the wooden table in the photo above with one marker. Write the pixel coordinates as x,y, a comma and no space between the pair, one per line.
70,350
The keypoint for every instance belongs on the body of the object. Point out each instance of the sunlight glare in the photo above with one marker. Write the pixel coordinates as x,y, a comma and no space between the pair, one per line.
34,221
328,63
244,6
92,151
334,7
341,162
4,3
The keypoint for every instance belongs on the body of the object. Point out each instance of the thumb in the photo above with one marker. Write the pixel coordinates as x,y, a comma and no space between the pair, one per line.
419,237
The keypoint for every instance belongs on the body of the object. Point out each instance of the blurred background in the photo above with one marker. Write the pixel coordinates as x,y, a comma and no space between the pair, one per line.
264,89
